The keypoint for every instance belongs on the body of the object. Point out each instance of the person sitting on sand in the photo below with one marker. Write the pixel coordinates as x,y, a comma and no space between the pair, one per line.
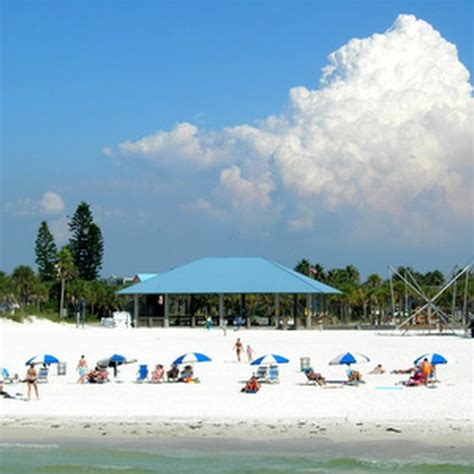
98,375
313,376
404,371
353,376
187,374
377,370
157,374
416,379
173,373
251,386
427,369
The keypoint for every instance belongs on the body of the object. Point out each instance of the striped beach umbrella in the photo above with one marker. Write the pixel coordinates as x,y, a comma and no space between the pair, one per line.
42,359
349,358
434,358
270,359
191,358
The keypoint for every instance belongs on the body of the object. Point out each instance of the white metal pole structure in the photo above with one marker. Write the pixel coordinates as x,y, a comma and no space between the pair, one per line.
429,302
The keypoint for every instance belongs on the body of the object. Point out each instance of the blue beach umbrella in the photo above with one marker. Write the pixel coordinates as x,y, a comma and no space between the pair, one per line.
5,373
42,359
349,358
191,357
270,359
434,358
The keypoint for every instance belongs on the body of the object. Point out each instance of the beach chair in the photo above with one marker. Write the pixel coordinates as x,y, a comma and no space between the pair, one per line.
43,375
262,373
142,373
273,374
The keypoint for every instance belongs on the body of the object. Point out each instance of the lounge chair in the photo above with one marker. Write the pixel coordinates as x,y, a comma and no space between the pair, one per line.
142,373
262,373
273,374
43,375
313,377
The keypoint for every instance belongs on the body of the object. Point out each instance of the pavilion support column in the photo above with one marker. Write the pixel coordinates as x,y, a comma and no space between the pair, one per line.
295,310
276,323
309,311
221,310
166,322
244,310
193,316
135,310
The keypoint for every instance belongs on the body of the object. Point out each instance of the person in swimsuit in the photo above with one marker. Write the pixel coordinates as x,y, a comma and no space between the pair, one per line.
250,353
32,381
82,369
238,348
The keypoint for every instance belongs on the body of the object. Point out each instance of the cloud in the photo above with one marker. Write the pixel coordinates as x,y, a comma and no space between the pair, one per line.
107,151
52,203
388,133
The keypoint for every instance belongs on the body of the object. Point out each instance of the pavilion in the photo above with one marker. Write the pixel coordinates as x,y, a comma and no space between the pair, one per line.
222,276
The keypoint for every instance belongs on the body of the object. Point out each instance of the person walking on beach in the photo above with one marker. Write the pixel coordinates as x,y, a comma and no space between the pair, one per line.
32,381
238,348
82,369
250,353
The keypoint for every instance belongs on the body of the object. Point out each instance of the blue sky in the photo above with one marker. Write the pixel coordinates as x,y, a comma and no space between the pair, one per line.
85,83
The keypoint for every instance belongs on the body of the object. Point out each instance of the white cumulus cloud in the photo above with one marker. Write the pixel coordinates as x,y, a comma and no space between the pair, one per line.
389,131
52,203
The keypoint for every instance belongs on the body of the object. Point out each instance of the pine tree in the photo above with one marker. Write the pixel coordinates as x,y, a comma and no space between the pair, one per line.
45,251
86,243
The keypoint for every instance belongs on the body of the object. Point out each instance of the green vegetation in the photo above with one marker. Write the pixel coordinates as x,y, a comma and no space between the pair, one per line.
66,277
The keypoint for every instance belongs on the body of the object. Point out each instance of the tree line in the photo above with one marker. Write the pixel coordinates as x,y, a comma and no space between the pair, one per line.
69,274
64,275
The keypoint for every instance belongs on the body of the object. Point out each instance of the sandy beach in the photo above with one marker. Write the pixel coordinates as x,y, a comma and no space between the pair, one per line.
214,409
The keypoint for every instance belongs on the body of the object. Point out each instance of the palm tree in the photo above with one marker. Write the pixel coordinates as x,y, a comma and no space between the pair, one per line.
304,267
24,281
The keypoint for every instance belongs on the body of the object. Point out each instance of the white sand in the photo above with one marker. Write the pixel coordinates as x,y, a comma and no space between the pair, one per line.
216,408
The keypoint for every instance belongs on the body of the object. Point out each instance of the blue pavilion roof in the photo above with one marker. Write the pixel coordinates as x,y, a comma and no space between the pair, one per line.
145,276
229,275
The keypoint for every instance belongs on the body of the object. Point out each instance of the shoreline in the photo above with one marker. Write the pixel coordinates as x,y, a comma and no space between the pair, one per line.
317,447
452,434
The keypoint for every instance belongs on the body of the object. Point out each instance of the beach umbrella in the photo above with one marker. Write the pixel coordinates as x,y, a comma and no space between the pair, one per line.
42,359
270,359
434,358
349,358
114,360
4,372
191,357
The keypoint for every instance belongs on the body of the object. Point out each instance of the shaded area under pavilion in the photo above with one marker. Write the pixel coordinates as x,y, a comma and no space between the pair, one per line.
223,276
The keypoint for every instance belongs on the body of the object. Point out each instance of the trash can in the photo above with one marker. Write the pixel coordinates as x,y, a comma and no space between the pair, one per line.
305,363
61,368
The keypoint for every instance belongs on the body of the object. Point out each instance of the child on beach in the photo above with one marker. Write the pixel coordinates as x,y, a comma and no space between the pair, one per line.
250,353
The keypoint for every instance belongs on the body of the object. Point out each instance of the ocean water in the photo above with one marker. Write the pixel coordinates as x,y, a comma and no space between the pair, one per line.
53,458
